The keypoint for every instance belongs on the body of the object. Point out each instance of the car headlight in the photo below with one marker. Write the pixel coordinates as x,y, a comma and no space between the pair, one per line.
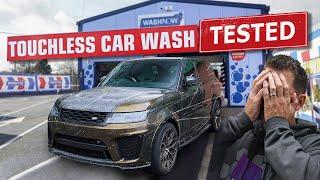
55,111
118,118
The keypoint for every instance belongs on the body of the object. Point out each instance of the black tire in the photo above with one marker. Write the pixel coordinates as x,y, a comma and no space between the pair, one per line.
164,150
215,119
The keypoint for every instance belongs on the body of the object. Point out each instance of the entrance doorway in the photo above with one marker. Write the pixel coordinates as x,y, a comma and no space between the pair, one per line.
102,69
218,63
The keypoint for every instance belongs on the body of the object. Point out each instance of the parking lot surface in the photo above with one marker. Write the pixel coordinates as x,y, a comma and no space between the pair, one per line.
24,153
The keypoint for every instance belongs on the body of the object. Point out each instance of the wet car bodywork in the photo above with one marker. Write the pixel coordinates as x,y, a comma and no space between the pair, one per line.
78,126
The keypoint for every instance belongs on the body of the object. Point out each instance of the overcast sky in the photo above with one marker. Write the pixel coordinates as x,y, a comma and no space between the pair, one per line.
55,16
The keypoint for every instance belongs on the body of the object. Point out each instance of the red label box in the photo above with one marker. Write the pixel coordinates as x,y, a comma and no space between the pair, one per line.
254,32
173,39
216,35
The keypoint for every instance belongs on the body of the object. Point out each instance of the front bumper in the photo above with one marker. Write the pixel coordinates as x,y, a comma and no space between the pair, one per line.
126,146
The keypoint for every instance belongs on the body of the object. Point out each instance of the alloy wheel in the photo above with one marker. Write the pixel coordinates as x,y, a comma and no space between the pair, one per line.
169,149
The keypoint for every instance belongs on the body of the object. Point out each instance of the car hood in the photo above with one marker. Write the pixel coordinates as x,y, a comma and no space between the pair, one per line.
114,99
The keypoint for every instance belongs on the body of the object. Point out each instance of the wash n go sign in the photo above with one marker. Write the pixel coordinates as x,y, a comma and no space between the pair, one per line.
216,35
163,19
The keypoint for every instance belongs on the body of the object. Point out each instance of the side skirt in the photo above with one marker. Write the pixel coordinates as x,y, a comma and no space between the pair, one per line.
191,138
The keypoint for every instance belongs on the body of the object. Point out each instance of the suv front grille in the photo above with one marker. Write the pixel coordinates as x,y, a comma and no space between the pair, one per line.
81,146
129,147
70,115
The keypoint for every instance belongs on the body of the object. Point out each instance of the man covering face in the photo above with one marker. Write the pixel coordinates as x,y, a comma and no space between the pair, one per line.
266,141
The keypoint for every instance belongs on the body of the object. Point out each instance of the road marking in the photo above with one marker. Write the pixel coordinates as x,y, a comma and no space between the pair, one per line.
27,107
202,175
21,135
38,166
16,120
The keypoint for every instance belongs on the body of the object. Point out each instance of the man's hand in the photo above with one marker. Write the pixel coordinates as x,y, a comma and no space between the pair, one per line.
277,98
252,108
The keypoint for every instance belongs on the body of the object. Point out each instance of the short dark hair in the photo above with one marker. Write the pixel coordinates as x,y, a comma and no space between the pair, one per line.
287,63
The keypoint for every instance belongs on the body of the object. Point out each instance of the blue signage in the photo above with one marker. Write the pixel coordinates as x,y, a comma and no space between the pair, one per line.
166,19
241,75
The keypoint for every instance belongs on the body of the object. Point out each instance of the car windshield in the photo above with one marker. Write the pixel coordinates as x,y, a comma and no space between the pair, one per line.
163,74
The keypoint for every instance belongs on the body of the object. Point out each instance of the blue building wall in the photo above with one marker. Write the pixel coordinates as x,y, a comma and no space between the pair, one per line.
241,73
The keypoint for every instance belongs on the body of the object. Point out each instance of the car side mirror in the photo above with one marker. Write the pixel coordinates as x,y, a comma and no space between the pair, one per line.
191,81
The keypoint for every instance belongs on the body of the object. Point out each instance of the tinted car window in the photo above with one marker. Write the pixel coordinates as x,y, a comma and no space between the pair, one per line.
163,74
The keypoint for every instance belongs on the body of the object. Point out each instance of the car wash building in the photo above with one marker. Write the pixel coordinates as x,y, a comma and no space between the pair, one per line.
240,68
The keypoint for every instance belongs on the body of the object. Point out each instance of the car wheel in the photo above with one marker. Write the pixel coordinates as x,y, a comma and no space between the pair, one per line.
215,119
165,150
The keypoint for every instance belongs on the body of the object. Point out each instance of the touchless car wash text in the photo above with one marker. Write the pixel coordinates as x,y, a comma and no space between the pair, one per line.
224,36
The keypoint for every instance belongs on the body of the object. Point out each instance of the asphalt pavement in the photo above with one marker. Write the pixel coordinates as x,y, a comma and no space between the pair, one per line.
24,153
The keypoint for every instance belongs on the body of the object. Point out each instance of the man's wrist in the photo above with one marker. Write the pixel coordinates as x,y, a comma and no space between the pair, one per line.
276,122
252,119
245,119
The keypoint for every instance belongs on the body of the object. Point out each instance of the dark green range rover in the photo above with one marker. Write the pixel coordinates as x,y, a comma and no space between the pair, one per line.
140,114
